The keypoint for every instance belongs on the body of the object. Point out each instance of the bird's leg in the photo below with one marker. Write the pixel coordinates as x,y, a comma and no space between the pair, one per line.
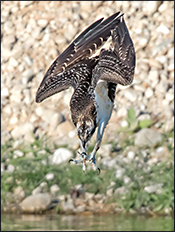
82,158
100,132
83,149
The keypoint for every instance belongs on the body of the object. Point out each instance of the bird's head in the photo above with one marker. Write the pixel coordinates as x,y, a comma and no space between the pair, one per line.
85,128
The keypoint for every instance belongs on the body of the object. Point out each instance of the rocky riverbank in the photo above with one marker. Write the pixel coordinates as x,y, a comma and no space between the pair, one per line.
36,178
33,34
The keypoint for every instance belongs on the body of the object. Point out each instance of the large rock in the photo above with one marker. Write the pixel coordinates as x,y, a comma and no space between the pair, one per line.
151,6
153,188
61,155
105,150
36,203
65,128
147,137
19,194
23,129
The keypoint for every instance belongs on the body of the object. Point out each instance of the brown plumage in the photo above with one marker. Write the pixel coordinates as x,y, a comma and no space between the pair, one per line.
94,79
62,73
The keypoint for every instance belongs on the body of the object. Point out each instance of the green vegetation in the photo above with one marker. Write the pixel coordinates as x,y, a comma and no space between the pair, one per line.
31,168
143,175
134,124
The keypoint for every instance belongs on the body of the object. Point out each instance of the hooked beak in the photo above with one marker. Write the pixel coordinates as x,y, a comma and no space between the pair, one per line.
84,144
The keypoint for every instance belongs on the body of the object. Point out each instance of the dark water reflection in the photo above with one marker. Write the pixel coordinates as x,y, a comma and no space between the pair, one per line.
88,223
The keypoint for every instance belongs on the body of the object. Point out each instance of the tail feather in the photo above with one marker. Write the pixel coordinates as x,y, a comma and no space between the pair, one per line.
117,64
122,43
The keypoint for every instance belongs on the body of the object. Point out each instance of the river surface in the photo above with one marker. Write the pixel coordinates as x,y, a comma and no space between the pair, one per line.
89,223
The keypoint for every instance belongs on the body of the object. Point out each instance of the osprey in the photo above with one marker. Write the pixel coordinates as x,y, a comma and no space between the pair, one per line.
94,79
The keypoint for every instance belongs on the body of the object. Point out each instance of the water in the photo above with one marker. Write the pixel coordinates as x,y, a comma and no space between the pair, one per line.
88,223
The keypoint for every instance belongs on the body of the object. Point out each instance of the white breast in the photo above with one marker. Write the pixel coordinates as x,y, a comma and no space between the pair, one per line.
104,104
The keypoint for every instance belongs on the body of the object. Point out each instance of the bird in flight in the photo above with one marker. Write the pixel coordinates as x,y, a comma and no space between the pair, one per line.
94,78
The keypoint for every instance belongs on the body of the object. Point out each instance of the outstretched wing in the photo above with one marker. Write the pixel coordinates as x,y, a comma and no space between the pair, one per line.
61,74
117,65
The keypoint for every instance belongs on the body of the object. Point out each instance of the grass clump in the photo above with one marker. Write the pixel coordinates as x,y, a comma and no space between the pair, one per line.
30,171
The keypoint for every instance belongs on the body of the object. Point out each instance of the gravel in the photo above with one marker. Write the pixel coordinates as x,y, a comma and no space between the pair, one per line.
33,35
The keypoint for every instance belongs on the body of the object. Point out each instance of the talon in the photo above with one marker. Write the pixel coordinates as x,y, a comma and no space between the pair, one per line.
98,171
76,161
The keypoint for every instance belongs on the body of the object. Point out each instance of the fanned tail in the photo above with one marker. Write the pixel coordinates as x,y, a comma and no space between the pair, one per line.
117,65
123,45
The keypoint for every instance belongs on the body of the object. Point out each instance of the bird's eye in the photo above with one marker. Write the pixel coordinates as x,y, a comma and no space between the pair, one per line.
89,135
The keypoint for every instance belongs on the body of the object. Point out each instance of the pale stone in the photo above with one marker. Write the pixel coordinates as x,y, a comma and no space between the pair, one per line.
124,123
2,167
152,6
126,179
162,86
131,95
61,155
153,74
19,191
68,206
131,155
122,112
49,176
9,179
37,190
54,189
7,109
43,185
28,60
72,134
171,67
109,192
89,196
27,75
147,137
105,150
164,6
13,119
79,209
42,22
23,129
25,3
143,42
36,203
162,59
13,62
4,92
121,190
149,92
48,114
163,29
56,119
18,153
153,188
169,96
10,168
143,117
39,110
119,172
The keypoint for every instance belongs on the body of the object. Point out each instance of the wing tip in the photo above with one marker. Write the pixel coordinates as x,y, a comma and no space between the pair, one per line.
38,98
